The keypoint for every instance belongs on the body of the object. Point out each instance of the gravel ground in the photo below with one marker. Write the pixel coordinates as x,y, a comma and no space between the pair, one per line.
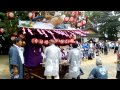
87,66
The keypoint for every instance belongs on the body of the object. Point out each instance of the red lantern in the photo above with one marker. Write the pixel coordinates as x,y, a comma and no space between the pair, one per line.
45,42
71,19
10,15
13,38
68,41
74,21
65,41
72,41
62,41
40,41
74,37
52,40
57,41
66,19
79,24
31,15
73,13
34,41
77,13
83,22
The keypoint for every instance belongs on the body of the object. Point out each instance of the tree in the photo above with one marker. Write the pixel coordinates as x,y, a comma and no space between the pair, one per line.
107,22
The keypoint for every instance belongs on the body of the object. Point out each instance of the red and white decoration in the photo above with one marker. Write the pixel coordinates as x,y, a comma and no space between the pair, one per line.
68,35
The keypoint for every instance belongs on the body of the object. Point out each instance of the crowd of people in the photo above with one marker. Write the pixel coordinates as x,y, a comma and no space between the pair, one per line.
73,55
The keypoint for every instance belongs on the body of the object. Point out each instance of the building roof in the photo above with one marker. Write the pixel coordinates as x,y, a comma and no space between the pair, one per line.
91,31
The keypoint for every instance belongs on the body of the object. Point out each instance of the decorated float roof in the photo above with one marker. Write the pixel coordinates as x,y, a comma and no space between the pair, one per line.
48,28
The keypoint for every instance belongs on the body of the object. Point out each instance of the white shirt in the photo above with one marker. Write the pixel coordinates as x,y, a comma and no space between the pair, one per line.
20,50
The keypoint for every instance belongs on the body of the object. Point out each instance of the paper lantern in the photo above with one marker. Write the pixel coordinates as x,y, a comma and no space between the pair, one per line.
71,19
40,41
77,13
66,19
83,22
13,38
68,41
65,41
45,42
52,40
1,31
31,15
73,13
10,15
74,37
57,41
74,21
34,41
79,24
62,41
72,41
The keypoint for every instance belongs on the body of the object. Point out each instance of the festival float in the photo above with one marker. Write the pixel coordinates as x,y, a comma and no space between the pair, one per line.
39,30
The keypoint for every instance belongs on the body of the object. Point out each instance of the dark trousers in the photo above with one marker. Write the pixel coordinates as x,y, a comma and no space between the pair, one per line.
118,75
81,71
115,50
78,77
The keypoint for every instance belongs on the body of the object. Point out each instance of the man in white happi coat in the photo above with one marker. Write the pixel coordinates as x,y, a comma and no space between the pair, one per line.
53,57
74,57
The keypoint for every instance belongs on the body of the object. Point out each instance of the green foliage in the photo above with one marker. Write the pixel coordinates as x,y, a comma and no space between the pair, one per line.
108,23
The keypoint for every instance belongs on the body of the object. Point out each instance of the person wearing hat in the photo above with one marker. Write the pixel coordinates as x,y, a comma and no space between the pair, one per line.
52,60
99,72
118,61
16,59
